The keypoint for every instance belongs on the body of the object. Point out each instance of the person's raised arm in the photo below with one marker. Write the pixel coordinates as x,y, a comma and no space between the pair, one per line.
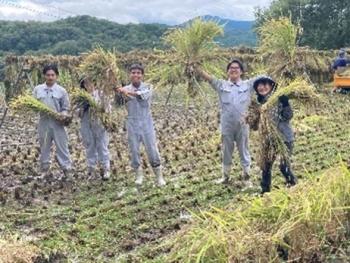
203,74
216,84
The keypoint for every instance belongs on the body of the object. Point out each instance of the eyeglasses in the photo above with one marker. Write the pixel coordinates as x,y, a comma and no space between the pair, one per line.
235,68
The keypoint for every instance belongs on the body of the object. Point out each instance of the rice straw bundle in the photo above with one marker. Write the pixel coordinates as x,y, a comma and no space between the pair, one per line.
278,47
26,102
96,110
192,44
302,223
260,117
102,68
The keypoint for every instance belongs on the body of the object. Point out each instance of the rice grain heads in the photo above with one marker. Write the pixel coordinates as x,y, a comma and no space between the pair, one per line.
102,68
194,43
15,251
26,102
261,117
278,46
97,111
296,224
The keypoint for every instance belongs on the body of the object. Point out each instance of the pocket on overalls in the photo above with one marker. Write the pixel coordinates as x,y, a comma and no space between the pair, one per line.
225,96
143,103
41,96
57,99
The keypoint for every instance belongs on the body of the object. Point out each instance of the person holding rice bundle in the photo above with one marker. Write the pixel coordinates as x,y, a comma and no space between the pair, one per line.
281,115
234,95
49,129
94,135
140,125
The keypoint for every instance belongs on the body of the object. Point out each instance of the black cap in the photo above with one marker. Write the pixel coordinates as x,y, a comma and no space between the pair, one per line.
264,80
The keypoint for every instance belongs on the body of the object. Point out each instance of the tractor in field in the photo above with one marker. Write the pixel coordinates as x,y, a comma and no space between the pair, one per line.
341,73
341,82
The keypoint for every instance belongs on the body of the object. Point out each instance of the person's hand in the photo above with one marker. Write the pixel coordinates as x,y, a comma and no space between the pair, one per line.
123,91
284,100
85,106
116,89
194,66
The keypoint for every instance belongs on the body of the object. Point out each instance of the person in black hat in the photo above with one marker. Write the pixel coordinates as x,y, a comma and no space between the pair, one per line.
264,87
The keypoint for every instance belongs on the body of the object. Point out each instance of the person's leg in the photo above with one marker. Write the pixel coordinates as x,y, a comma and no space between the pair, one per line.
266,178
150,142
285,167
89,143
62,152
242,140
227,144
102,141
134,140
45,142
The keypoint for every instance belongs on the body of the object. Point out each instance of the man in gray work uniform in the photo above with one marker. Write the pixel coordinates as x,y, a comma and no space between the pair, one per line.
234,95
49,129
140,125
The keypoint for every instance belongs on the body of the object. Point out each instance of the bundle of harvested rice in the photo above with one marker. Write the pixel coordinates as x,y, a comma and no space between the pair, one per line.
278,48
97,111
192,44
260,117
12,251
299,224
102,68
26,102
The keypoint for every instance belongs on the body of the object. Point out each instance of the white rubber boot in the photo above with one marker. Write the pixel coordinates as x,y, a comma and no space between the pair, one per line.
68,175
91,173
139,176
246,178
159,176
226,169
106,175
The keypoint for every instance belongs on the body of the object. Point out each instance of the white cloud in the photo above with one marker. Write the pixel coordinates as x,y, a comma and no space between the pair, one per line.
129,11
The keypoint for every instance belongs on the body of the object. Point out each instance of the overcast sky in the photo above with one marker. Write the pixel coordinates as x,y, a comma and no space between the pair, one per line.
129,11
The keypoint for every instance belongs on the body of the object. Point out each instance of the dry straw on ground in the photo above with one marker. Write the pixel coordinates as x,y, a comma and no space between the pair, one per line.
286,224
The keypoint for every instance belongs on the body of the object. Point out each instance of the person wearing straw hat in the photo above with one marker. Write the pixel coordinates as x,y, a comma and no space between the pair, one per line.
140,125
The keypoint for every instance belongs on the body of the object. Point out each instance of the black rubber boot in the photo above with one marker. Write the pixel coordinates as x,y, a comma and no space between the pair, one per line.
266,179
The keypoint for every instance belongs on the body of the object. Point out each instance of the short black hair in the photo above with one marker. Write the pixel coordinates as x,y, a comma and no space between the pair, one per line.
51,67
237,61
137,66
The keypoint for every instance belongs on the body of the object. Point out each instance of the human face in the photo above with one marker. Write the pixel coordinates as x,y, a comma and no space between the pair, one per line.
136,77
89,85
50,77
264,89
234,72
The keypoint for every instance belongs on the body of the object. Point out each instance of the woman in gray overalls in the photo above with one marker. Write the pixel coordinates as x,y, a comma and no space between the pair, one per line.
94,135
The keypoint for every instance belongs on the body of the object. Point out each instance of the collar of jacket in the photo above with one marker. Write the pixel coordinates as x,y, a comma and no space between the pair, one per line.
50,88
139,87
237,83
